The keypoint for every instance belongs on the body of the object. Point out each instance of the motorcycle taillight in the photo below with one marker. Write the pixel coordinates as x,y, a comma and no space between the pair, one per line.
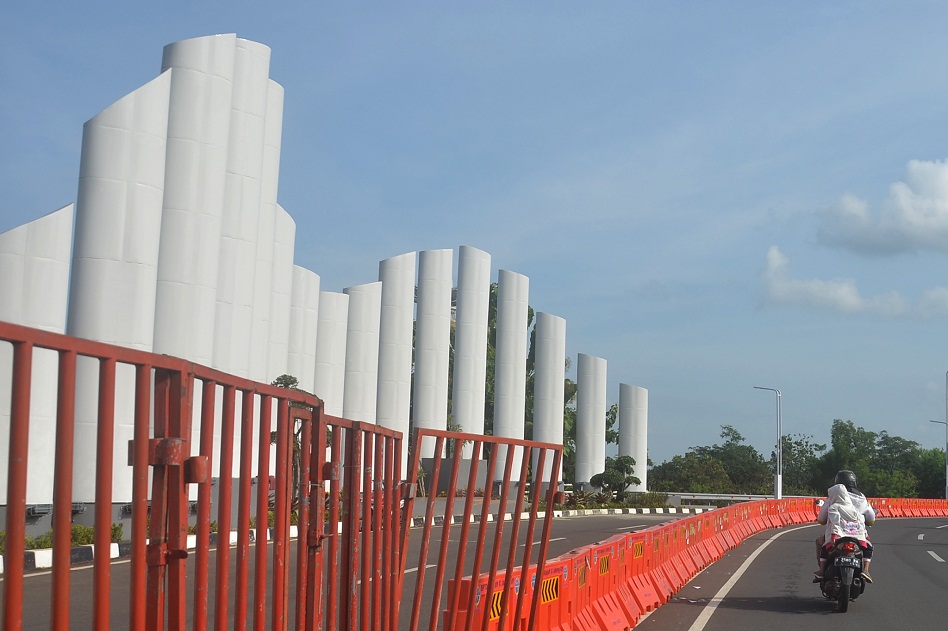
848,546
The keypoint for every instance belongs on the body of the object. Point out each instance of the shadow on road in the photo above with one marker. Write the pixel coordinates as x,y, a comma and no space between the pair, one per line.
775,604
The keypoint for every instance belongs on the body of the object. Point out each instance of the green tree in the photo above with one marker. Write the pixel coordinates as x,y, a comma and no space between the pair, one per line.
690,473
745,466
930,473
617,477
852,448
292,383
612,419
801,459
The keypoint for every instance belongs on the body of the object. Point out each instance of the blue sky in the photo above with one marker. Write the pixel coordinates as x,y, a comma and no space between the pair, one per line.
715,195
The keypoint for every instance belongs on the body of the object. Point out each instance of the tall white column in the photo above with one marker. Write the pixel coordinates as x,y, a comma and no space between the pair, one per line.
304,319
362,352
590,417
195,172
115,263
470,342
549,386
393,406
268,258
281,289
510,364
241,210
330,376
633,430
432,342
35,256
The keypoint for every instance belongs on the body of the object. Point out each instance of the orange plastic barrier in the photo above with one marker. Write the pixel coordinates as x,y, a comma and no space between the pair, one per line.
610,585
554,608
604,571
638,575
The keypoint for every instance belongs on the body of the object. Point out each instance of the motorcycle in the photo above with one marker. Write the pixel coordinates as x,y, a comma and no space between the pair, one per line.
842,580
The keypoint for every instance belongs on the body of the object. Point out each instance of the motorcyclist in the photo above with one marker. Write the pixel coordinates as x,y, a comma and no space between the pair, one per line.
849,502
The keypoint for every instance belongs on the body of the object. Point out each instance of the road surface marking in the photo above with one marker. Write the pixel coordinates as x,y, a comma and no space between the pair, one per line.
536,543
633,527
921,537
936,557
945,526
415,569
705,614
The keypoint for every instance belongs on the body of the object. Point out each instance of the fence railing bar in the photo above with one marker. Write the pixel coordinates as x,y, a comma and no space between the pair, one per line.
455,596
105,438
247,406
203,525
264,431
225,483
62,489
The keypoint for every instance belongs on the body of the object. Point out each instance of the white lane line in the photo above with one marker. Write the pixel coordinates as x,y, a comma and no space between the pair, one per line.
945,526
705,614
536,543
633,527
921,537
415,569
936,557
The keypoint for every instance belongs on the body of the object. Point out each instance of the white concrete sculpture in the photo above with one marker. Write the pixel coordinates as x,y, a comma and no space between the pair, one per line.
470,342
590,418
181,248
362,352
115,263
510,364
432,342
633,431
331,350
304,320
267,225
118,219
549,386
393,405
241,209
281,289
35,255
195,172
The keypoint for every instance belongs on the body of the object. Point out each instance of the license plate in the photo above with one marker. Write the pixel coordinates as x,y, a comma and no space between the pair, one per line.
847,562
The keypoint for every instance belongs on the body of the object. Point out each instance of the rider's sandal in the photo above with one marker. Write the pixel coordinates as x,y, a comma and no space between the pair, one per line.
866,577
817,578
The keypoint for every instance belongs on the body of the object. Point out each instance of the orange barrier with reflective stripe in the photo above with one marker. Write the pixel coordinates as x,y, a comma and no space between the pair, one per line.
610,585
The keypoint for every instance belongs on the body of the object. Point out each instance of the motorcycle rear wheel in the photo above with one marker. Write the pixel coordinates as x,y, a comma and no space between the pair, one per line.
843,599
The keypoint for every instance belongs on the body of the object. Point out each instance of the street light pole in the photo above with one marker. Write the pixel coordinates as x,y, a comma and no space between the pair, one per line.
778,479
945,423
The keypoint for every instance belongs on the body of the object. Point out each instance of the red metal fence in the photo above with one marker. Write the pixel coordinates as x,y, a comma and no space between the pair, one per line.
508,483
339,480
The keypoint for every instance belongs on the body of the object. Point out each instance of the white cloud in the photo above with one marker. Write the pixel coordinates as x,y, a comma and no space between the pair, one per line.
913,217
838,295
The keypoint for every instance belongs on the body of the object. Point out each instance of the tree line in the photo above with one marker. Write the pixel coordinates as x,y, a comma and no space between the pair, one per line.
886,465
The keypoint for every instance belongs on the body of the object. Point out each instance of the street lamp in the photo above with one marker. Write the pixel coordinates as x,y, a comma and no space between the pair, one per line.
945,423
778,479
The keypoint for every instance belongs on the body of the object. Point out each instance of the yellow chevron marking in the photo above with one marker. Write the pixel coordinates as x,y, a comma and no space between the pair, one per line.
550,589
495,605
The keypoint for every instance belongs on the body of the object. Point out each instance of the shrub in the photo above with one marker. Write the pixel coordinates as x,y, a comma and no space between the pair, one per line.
81,535
649,500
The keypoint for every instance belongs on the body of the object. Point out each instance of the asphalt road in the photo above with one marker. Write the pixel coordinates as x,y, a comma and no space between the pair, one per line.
773,592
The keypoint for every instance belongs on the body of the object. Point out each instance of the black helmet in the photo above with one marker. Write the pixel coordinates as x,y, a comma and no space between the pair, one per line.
848,479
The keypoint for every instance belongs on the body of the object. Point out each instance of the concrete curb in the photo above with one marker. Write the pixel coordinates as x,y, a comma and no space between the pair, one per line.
43,559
